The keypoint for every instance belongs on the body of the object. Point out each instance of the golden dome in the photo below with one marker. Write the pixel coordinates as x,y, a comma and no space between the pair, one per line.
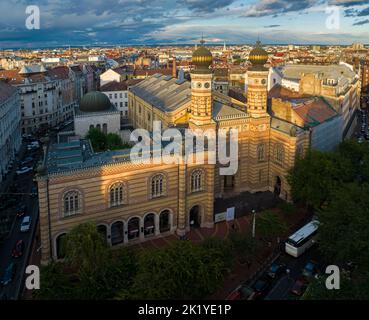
258,56
202,57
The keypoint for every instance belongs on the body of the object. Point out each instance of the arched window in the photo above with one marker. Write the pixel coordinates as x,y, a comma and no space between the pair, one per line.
261,152
105,128
117,233
72,203
279,154
116,194
196,180
157,186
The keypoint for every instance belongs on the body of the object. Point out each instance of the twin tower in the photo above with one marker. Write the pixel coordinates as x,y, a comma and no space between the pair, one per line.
201,83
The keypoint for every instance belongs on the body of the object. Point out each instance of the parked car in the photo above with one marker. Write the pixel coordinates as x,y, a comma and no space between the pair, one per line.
26,224
310,269
20,210
276,269
24,170
8,274
34,192
242,292
234,295
18,249
247,293
261,287
299,287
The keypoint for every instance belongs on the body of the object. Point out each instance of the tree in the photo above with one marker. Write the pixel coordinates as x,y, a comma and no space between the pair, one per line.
85,248
98,139
114,141
351,288
220,249
314,177
269,225
243,246
181,271
54,283
344,225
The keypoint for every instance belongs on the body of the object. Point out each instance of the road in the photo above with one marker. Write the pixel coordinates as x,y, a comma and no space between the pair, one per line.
24,183
282,287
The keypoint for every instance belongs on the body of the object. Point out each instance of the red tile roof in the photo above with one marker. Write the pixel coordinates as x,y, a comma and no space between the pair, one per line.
280,92
315,111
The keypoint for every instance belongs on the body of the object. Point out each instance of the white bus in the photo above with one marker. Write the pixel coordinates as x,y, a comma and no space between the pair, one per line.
302,239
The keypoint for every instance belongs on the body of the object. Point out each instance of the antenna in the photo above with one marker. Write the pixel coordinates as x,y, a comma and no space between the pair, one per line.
202,39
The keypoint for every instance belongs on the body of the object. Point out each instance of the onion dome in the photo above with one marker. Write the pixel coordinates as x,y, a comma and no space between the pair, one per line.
94,101
202,58
258,56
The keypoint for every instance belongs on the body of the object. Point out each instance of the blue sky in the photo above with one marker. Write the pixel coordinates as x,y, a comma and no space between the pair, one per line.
88,22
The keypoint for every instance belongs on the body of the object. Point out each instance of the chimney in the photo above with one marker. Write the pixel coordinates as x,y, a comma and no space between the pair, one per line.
174,67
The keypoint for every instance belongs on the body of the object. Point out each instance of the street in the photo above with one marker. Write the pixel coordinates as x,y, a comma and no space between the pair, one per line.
23,185
283,285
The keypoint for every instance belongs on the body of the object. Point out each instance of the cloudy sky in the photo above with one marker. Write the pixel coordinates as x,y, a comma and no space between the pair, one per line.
123,22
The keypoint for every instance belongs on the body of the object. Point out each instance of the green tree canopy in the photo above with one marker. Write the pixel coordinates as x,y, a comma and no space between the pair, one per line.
98,139
269,225
85,247
344,225
180,271
314,177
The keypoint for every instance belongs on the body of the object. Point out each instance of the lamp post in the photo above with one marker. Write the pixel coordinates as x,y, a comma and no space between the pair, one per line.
253,223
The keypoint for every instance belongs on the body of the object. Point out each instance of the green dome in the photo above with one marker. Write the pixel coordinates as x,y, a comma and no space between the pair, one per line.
258,56
94,101
202,57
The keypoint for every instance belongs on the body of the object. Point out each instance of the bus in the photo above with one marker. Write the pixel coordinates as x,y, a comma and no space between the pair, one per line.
302,239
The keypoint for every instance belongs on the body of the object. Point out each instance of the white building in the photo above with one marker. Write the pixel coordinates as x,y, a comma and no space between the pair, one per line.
10,133
117,92
96,111
118,74
46,96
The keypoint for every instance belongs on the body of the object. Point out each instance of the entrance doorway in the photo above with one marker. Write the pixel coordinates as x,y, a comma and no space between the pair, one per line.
277,186
195,217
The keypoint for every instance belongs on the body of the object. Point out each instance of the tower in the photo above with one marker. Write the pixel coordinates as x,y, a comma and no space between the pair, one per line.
257,93
174,66
201,86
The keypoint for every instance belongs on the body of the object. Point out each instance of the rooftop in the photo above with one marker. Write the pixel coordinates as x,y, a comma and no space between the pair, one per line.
163,92
119,86
295,71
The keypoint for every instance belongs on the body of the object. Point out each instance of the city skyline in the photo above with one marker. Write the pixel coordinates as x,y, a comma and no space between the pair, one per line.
121,22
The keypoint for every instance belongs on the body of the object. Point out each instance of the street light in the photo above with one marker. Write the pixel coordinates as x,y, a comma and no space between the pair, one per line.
253,223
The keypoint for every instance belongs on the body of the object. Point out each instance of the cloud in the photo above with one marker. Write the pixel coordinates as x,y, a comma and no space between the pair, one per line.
347,3
85,22
362,22
205,5
276,7
364,12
